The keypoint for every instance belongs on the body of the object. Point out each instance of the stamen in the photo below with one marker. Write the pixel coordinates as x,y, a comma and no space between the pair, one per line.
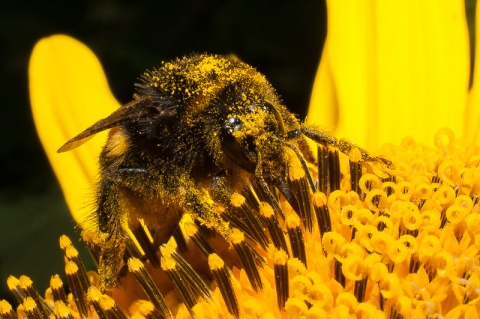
138,269
389,185
280,270
347,301
144,308
6,310
58,292
180,240
333,243
245,217
249,258
23,288
334,167
296,308
26,284
14,286
71,254
64,242
144,241
297,179
132,250
360,289
355,158
273,226
188,273
319,201
295,235
93,296
323,169
31,309
304,165
265,190
77,287
199,238
104,305
221,273
176,276
62,311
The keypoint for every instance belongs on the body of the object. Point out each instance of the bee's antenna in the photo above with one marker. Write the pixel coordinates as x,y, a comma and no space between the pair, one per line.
278,117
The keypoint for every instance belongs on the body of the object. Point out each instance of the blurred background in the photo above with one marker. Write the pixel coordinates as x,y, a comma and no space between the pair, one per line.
282,39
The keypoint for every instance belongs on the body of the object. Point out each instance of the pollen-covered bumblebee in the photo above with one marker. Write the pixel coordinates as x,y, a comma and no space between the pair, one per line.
198,131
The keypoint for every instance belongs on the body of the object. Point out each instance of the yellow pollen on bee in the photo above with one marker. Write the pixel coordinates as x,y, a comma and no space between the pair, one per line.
117,143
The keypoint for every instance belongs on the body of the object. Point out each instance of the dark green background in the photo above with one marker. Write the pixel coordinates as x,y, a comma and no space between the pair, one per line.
283,39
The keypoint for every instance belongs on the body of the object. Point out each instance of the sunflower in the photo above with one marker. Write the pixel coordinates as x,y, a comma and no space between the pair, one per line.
389,241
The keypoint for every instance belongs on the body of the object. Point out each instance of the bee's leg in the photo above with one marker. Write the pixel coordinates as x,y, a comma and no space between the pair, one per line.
219,189
199,204
143,199
112,240
125,195
344,145
316,134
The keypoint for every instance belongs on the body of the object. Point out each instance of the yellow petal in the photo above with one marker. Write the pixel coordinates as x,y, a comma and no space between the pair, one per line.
392,69
472,114
68,93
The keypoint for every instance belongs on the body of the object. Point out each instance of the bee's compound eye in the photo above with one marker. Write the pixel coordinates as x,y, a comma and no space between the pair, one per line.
235,150
233,124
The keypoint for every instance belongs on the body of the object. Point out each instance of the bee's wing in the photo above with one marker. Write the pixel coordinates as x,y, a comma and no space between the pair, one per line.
114,119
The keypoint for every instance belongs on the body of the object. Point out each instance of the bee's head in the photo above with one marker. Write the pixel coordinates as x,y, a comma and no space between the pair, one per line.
228,103
253,134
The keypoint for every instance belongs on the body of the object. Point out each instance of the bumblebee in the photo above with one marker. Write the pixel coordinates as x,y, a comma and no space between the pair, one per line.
199,130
